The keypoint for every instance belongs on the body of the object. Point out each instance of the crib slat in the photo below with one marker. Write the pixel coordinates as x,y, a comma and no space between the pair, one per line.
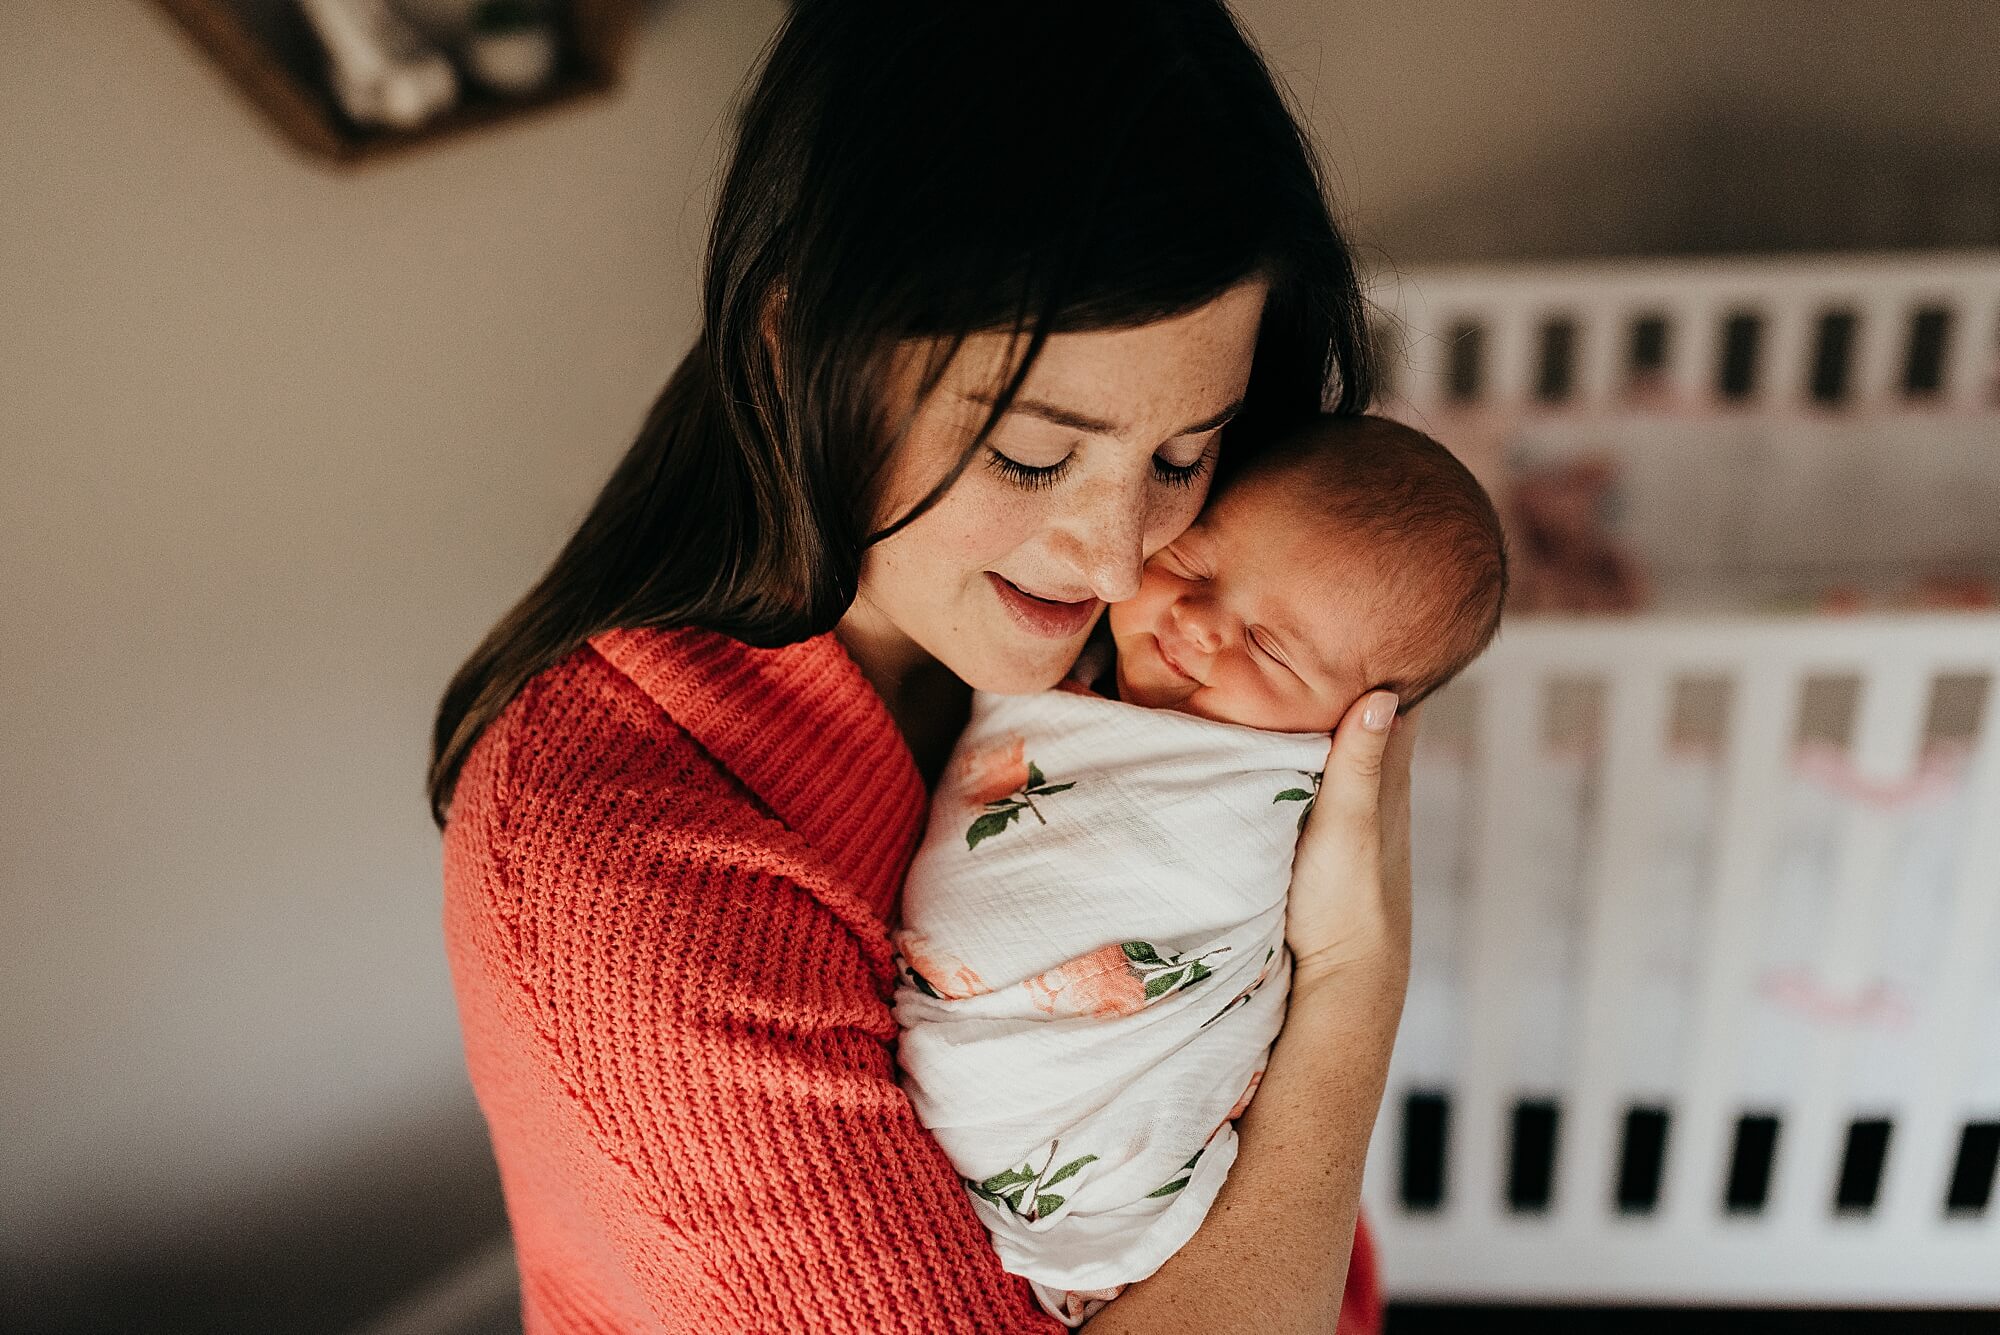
1763,708
1920,1167
1623,840
1601,327
1693,325
1476,1154
1511,348
1877,371
1782,368
1972,356
1887,734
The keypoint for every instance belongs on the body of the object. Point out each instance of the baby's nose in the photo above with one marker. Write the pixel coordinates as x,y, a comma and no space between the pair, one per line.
1199,627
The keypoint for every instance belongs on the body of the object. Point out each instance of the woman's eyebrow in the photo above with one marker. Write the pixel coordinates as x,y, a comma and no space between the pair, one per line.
1076,421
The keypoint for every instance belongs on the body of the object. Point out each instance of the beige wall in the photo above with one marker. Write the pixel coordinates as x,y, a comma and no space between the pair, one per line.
279,444
1486,128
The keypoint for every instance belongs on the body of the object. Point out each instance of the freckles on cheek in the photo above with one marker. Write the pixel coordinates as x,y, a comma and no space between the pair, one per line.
984,524
1169,519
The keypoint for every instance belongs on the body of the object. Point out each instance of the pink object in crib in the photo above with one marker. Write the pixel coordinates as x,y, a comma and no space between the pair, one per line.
1797,990
1565,557
1830,766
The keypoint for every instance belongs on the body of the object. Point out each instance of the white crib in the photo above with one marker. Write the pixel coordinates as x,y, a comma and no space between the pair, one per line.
1644,1111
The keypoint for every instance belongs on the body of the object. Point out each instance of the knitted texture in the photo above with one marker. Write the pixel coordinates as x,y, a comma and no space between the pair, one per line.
669,873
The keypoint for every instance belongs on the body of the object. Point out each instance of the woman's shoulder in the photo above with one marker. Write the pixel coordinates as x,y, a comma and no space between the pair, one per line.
612,775
583,763
593,841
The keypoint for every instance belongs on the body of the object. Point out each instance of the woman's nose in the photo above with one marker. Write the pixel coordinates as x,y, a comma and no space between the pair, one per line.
1108,536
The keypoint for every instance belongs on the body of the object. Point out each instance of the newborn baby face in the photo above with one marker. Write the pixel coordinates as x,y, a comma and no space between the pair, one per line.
1257,615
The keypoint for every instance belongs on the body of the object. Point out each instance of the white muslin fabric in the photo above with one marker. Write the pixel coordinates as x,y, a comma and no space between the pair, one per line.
1092,968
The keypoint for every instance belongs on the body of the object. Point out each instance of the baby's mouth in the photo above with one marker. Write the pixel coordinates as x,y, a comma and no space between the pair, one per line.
1174,664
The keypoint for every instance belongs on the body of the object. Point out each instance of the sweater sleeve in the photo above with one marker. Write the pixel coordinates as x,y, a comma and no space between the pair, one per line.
686,1061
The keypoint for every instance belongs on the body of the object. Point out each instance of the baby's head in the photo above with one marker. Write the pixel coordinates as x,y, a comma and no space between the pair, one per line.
1356,553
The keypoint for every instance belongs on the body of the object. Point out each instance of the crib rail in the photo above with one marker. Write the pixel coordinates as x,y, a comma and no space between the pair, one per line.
1842,332
1862,1204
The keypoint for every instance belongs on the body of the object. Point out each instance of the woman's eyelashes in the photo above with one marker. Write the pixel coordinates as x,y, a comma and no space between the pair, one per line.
1183,475
1028,475
1034,477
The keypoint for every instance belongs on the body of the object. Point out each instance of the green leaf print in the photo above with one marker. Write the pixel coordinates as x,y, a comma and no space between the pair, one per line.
1000,812
989,825
1070,1169
1013,1177
1026,1183
1163,974
1243,997
1303,795
1178,1181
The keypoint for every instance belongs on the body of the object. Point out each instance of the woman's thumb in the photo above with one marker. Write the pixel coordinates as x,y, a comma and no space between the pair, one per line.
1343,839
1353,780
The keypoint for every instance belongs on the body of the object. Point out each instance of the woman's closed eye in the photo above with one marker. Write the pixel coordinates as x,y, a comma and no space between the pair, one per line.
1183,475
1037,476
1033,477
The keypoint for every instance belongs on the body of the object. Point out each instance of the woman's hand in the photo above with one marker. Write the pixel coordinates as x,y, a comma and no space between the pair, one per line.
1273,1253
1350,898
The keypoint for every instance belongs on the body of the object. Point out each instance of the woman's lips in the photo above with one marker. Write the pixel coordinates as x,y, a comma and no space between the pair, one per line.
1043,616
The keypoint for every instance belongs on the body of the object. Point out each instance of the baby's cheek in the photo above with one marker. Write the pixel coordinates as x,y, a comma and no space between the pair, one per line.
1125,617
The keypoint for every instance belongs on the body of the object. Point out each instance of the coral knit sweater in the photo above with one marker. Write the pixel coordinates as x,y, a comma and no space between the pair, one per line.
670,871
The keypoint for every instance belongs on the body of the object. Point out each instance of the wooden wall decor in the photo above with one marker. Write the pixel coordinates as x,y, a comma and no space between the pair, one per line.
269,51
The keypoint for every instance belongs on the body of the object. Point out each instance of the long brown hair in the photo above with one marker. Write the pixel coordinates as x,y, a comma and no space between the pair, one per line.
905,169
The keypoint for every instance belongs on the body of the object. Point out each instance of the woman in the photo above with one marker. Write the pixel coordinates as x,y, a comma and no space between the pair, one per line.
987,286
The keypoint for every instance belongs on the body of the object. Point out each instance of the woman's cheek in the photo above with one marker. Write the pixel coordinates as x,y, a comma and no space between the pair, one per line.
990,520
1170,517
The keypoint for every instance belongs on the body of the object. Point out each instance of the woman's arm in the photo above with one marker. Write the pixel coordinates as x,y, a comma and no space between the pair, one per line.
1273,1252
684,1055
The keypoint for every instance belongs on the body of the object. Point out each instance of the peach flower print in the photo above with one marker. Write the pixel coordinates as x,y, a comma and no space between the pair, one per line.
1003,782
936,973
1101,984
1118,979
997,772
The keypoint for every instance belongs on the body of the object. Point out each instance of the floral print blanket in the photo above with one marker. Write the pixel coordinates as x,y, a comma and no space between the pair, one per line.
1091,969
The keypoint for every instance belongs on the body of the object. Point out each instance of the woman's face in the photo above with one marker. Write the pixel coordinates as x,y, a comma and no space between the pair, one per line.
1104,458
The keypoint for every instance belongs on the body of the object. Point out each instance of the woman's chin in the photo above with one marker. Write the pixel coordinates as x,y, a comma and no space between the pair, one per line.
1014,670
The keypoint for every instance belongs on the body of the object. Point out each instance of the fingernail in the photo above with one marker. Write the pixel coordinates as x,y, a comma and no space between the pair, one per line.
1379,712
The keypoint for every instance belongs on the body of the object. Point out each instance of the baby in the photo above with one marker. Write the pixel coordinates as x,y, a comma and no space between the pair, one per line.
1092,956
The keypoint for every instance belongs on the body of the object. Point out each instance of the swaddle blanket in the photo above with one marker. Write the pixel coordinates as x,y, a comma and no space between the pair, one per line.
1092,968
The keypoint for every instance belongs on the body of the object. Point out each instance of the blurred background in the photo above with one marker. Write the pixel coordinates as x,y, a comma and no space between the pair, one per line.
282,437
